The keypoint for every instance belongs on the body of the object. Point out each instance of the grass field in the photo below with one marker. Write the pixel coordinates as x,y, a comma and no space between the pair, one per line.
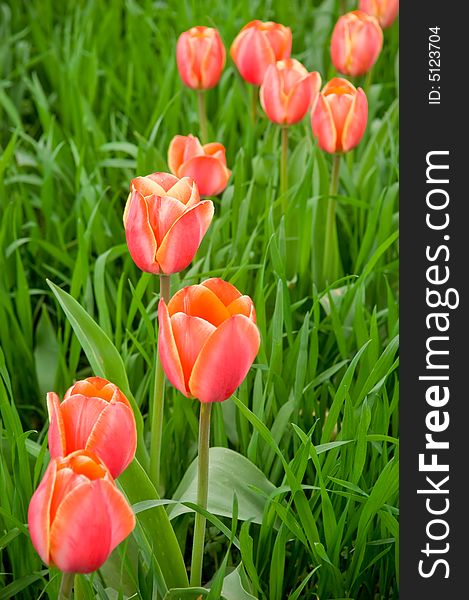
90,96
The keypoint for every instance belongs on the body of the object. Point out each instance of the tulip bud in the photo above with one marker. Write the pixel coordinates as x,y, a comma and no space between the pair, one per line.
207,339
339,119
356,43
385,11
77,516
200,56
165,222
258,45
95,416
288,91
205,164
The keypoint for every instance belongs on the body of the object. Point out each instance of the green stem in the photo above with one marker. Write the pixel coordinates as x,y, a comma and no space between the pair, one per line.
368,80
202,116
202,495
158,402
284,168
330,241
66,585
254,101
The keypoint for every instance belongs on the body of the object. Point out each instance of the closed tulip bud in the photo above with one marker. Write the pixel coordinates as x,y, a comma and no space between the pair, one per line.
288,91
356,43
205,164
95,416
385,11
77,516
339,119
165,222
200,56
207,339
258,45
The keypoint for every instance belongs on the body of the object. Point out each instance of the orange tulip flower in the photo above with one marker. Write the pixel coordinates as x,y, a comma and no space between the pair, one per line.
207,339
205,164
165,222
356,43
200,56
339,119
95,416
385,11
288,91
77,516
258,45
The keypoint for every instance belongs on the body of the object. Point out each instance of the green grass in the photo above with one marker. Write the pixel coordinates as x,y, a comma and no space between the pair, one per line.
89,97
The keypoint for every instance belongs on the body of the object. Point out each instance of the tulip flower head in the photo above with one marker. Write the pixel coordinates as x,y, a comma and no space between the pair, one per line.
206,165
258,45
207,339
95,416
356,43
339,119
165,222
385,11
77,516
288,91
200,56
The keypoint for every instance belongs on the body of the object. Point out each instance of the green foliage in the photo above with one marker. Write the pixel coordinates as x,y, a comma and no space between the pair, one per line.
89,97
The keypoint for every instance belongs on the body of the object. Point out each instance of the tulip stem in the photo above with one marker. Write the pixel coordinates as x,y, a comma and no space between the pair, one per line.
202,116
66,585
283,169
202,495
330,242
158,402
254,101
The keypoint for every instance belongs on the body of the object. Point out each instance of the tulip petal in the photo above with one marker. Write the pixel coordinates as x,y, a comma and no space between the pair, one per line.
146,186
280,38
185,61
210,174
224,291
123,519
355,123
190,334
213,62
163,212
183,239
300,99
176,153
56,434
252,55
168,350
225,360
199,301
216,150
243,306
186,191
323,125
79,414
39,513
272,97
139,234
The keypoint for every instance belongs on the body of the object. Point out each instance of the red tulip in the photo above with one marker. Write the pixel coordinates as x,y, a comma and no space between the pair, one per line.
165,222
339,119
200,56
259,45
385,11
77,516
205,164
356,42
207,339
288,91
95,416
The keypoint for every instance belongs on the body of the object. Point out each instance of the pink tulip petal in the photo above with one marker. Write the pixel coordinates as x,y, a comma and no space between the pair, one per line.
367,42
280,38
116,423
272,97
300,99
185,61
210,174
355,123
323,125
65,481
164,180
123,519
190,334
225,359
176,153
139,234
243,306
79,414
39,513
253,54
56,435
163,212
168,350
199,301
185,191
213,62
180,244
146,186
226,292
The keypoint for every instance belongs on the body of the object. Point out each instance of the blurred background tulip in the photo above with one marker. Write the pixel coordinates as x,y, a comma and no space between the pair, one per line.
340,116
95,416
205,164
385,11
356,43
77,516
165,222
208,339
200,56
